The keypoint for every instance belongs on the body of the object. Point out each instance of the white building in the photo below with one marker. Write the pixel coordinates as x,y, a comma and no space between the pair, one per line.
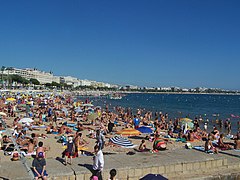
69,80
85,83
28,73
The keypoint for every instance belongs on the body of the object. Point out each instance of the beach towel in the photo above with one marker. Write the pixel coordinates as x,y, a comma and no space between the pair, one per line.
202,149
71,125
43,126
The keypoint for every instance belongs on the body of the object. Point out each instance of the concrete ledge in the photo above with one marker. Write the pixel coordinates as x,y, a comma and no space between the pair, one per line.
172,165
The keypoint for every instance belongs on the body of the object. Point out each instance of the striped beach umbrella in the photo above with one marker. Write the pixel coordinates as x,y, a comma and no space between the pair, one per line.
129,132
121,141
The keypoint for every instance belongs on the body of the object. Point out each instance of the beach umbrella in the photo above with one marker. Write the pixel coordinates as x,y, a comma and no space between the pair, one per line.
145,130
189,124
121,141
3,114
87,105
64,110
153,177
92,116
78,110
25,120
10,99
129,132
185,119
22,105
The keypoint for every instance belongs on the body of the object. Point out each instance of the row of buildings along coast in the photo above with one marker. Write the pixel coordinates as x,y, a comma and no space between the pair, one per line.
48,77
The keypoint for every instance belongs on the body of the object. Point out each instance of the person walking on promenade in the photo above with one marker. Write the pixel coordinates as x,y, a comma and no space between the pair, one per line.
100,139
70,151
98,162
39,167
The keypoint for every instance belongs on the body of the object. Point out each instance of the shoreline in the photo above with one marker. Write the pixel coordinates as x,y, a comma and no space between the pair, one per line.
96,92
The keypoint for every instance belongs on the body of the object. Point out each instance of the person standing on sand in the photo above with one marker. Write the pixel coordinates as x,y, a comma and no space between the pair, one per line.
98,162
136,122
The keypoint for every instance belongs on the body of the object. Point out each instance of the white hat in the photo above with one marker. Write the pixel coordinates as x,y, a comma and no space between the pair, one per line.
70,139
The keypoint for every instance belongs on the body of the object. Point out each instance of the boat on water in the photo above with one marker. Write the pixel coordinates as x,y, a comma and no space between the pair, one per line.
115,96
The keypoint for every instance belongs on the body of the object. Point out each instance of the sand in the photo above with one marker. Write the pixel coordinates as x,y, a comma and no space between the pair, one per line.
56,149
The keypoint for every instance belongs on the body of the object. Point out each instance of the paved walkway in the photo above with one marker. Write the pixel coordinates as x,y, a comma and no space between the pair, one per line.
121,162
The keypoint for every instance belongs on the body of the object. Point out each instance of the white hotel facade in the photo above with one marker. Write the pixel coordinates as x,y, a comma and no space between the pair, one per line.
41,76
47,77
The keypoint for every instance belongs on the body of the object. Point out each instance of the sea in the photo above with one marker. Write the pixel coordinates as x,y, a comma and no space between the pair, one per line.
210,107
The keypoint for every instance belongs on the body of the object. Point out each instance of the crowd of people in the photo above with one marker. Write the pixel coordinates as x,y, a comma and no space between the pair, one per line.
67,118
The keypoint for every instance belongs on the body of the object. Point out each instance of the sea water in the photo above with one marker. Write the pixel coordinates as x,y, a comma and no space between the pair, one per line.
208,107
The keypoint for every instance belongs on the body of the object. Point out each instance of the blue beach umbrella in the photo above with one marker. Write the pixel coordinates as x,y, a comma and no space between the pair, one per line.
145,130
78,110
153,177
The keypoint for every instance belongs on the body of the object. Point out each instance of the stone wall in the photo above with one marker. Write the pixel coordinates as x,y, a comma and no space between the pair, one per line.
170,171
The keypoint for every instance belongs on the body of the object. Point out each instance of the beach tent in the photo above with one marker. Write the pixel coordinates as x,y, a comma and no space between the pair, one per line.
145,130
129,132
153,177
25,120
121,141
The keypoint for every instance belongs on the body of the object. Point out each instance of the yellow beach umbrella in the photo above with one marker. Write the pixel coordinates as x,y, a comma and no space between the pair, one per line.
11,99
129,132
185,119
81,148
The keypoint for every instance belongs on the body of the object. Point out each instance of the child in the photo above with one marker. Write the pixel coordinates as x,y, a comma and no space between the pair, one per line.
142,146
113,174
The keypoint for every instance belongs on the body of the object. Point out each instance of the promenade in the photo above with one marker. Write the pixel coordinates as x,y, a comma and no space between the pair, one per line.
176,164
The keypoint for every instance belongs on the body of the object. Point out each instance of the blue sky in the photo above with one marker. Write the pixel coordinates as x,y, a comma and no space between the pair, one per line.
146,43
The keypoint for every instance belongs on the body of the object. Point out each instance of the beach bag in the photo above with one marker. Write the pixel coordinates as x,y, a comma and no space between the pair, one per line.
188,146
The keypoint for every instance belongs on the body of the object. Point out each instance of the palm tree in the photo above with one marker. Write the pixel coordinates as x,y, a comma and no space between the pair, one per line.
2,69
8,69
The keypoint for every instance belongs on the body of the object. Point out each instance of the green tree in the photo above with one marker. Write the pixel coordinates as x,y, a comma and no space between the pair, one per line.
56,84
2,69
34,81
16,78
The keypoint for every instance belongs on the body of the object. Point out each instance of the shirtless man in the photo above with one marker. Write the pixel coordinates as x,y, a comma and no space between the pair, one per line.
29,148
142,146
237,143
190,136
221,144
40,148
